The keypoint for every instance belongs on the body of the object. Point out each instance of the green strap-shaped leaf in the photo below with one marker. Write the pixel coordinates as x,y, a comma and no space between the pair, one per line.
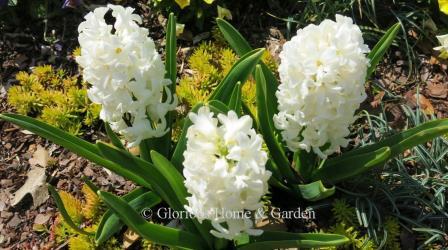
171,59
381,47
176,181
235,102
396,144
110,223
74,144
63,211
113,137
163,144
304,163
218,107
275,149
156,233
147,171
178,158
233,37
162,181
241,47
316,191
239,72
276,240
181,145
351,166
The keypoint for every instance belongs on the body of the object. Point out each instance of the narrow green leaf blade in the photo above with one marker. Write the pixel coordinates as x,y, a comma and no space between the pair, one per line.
113,137
304,163
181,145
171,59
63,211
176,181
240,72
156,233
351,166
147,171
241,47
159,179
381,47
171,175
233,37
276,151
110,223
276,240
235,102
72,143
163,144
316,191
401,141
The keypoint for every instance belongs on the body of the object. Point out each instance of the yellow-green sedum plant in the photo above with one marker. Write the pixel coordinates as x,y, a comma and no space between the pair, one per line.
55,98
219,161
209,64
87,211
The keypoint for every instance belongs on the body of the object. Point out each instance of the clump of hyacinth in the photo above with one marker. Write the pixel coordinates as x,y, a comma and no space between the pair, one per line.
443,48
224,171
121,63
322,71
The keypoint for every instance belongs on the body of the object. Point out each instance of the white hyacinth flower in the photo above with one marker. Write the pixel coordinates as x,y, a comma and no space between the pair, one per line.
224,171
322,71
443,48
121,63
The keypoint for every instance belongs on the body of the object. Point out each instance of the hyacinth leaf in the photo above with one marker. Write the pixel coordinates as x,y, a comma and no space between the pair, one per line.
381,47
110,223
239,72
60,205
155,233
241,47
275,149
397,143
178,158
107,225
176,182
235,99
160,180
218,107
74,144
316,191
174,179
147,171
163,144
113,137
233,37
171,59
304,163
348,167
276,240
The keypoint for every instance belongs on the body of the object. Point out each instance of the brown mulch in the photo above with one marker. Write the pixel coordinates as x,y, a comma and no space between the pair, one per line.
17,147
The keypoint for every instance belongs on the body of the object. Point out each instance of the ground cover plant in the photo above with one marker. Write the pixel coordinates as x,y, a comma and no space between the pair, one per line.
234,142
